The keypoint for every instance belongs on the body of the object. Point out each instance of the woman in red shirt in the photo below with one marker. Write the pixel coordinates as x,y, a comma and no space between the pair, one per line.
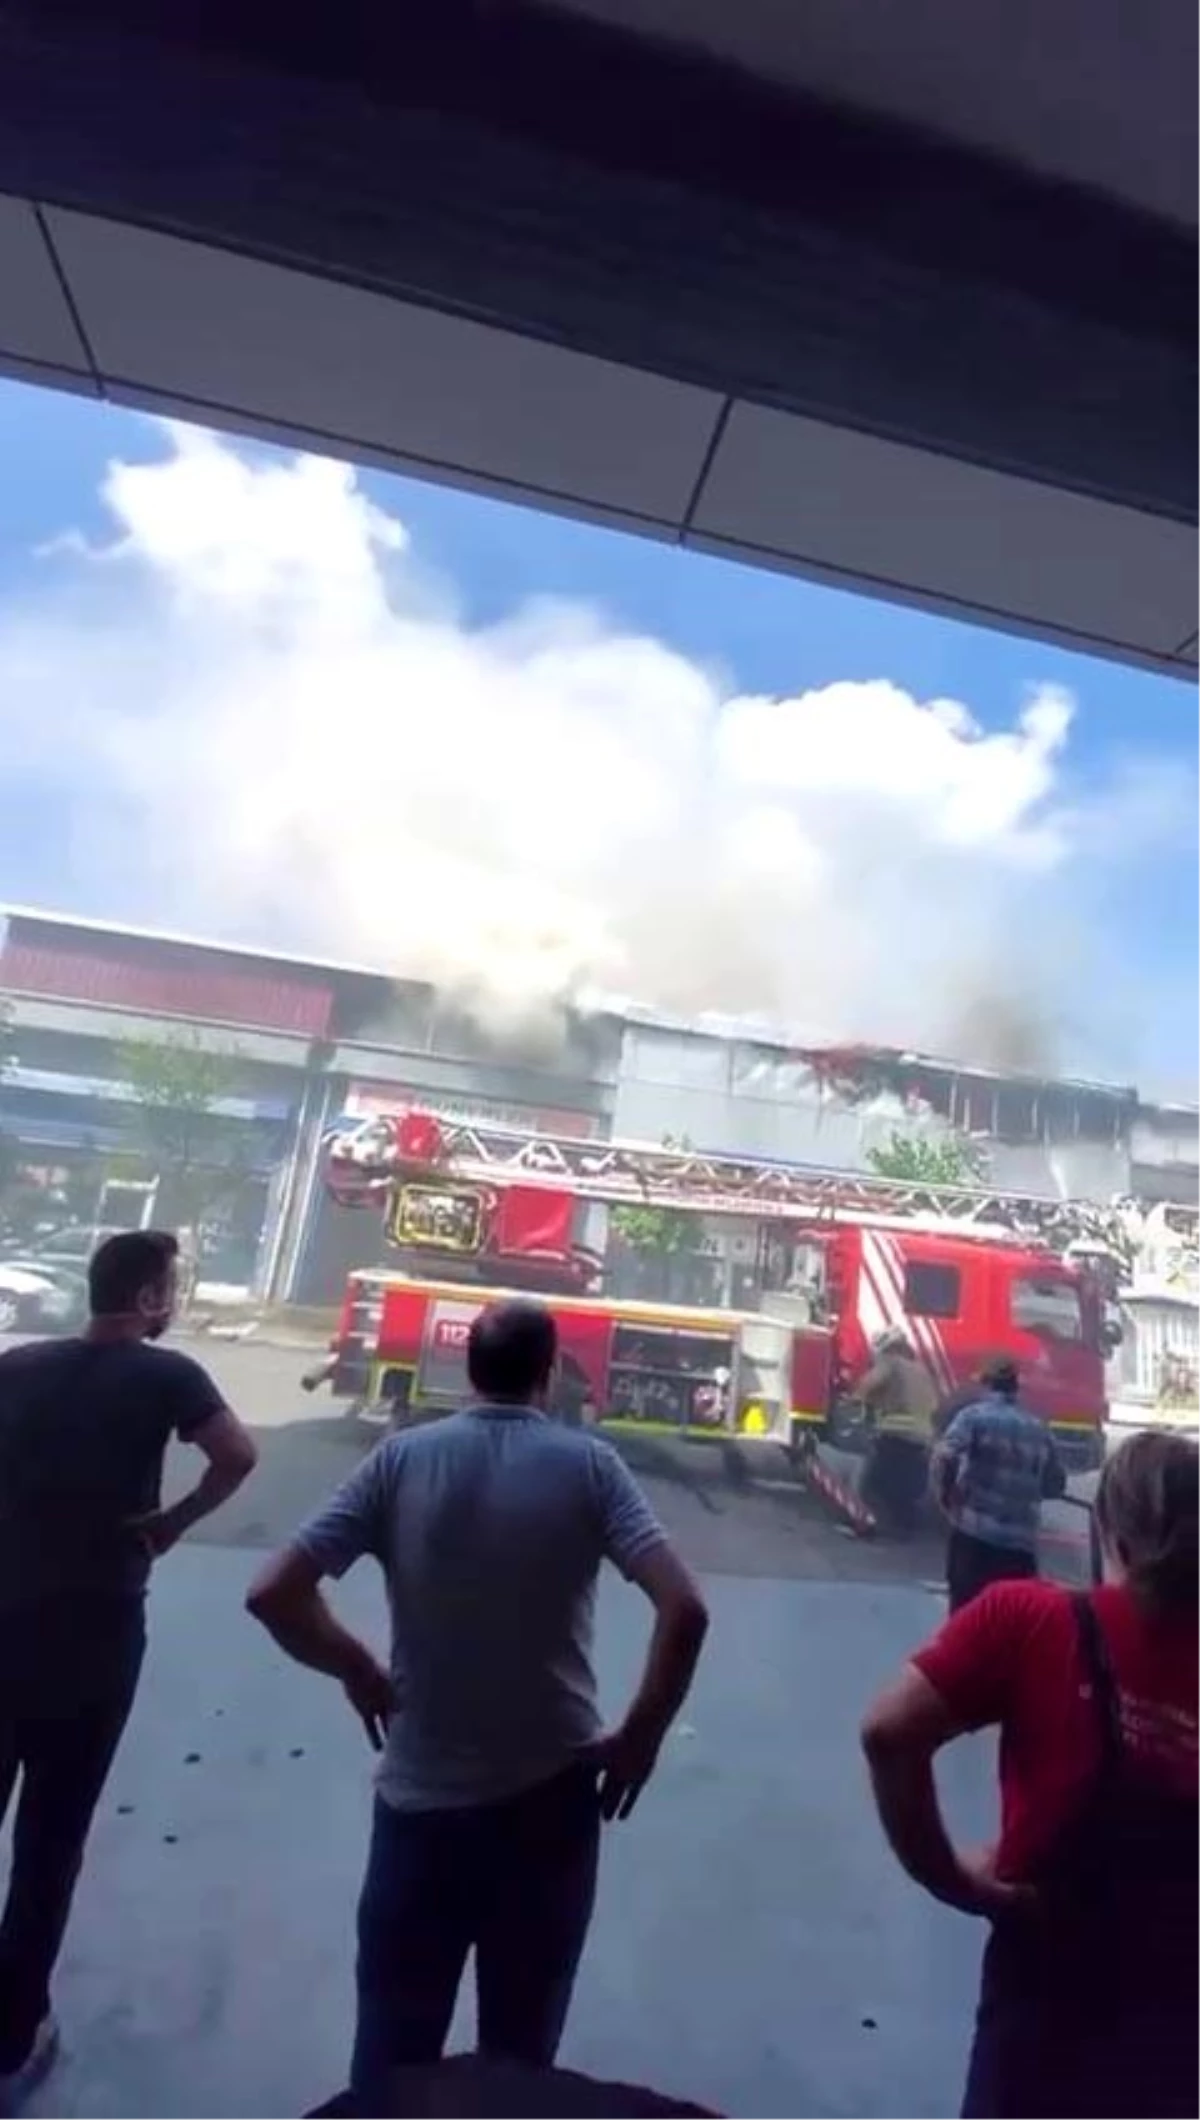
1088,2003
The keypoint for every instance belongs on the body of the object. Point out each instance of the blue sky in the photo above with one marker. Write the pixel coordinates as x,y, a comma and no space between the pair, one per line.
1094,842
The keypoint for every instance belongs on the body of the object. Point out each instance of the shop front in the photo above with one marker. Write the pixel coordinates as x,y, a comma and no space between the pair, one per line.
338,1238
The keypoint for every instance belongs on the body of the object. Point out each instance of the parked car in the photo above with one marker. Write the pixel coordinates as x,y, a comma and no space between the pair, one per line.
68,1247
36,1297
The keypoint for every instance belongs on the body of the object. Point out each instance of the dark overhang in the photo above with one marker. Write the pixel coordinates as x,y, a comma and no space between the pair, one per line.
525,249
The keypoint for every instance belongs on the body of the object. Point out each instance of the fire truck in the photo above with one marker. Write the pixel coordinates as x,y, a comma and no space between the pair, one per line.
966,1274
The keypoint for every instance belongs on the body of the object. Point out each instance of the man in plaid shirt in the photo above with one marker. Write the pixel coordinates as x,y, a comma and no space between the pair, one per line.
992,1469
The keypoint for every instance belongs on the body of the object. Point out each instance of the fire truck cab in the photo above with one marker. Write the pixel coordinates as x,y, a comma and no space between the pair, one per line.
962,1298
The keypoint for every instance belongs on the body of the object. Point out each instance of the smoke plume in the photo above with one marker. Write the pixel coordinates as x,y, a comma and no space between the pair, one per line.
271,724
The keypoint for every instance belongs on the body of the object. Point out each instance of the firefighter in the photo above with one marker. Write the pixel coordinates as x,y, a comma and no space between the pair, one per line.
898,1392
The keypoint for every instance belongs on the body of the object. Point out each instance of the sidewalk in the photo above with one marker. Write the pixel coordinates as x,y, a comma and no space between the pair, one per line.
270,1325
755,1949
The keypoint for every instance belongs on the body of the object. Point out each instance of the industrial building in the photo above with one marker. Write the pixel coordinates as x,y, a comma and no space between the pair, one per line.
302,1047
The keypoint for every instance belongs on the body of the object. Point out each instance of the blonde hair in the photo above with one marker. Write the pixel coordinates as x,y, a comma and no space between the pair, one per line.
1148,1509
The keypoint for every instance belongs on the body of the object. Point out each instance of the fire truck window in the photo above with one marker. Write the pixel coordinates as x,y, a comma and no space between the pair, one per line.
930,1290
1049,1307
572,1392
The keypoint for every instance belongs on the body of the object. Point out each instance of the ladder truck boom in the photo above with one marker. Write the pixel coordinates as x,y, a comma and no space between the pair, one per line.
366,1161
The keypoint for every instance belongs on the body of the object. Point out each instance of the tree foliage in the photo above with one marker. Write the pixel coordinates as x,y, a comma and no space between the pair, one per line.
670,1230
177,1085
922,1159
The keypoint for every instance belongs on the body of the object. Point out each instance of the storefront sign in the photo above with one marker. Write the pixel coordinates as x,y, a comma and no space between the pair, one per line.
378,1100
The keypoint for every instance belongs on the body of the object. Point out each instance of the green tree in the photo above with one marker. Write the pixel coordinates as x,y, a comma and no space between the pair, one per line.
919,1159
177,1085
667,1230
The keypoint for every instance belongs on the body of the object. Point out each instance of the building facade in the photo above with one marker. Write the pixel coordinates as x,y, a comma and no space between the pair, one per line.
829,1107
278,1053
266,1057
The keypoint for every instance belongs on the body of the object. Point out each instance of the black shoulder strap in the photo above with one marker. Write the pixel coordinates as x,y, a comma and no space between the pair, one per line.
1093,1650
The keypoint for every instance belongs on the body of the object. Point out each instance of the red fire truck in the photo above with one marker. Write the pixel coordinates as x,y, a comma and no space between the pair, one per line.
865,1255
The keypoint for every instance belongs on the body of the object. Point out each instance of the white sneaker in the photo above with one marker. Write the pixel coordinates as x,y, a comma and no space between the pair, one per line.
20,2083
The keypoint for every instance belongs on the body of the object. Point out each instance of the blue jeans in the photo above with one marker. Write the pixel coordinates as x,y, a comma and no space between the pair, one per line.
514,1881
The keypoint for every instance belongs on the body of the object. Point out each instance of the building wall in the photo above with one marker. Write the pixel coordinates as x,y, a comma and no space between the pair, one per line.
1165,1146
1068,1170
328,1240
163,979
314,1045
309,1044
74,1124
743,1098
396,1046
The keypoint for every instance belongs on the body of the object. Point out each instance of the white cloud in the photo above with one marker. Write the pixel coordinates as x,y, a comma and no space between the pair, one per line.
275,726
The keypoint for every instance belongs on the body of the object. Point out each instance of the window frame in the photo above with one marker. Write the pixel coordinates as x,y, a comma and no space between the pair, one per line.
947,1275
1044,1328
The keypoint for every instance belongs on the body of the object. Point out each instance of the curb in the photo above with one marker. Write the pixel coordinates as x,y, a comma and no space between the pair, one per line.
248,1334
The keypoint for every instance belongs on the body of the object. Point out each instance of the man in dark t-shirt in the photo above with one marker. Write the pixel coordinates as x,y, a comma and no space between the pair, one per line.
84,1428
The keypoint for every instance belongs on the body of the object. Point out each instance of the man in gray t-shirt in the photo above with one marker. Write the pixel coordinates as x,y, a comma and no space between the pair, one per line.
491,1527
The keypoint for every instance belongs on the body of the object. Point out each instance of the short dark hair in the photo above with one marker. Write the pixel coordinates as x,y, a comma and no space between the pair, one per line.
511,1350
124,1265
1001,1375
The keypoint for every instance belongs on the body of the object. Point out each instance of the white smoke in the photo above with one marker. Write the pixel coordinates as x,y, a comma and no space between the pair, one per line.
268,723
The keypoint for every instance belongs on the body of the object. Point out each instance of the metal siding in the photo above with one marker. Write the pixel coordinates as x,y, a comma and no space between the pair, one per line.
1077,1170
205,993
1165,1139
839,1137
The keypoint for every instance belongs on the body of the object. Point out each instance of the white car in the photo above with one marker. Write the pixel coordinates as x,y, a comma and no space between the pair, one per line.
38,1299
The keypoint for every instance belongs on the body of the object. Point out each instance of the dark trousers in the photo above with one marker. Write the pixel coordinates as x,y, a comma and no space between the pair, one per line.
64,1702
515,1882
972,1563
895,1478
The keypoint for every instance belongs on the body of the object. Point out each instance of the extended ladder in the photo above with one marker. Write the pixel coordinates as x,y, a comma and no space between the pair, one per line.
374,1156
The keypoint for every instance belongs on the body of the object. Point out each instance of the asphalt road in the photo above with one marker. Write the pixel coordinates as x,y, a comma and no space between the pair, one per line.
726,1520
724,1523
755,1946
